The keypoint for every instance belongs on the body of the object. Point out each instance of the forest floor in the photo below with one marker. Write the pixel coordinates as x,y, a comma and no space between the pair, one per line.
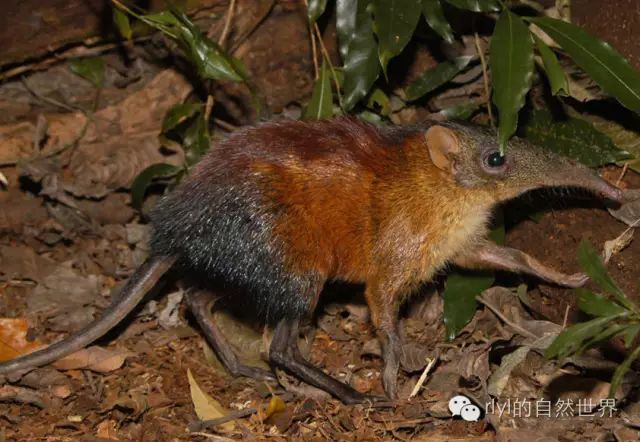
70,239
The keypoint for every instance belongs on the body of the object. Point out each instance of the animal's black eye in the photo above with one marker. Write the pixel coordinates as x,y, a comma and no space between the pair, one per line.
495,159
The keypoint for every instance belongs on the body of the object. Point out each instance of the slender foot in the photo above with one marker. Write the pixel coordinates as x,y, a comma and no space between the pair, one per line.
493,256
198,303
391,348
574,281
284,353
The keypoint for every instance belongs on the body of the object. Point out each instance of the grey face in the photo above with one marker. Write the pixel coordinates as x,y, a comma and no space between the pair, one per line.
523,167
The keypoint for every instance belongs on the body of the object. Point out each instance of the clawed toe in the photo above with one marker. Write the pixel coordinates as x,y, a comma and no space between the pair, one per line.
576,280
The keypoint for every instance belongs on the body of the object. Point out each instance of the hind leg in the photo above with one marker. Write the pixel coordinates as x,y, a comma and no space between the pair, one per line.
199,305
285,353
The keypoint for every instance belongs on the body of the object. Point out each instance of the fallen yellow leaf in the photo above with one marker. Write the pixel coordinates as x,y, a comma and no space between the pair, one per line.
206,407
13,338
276,404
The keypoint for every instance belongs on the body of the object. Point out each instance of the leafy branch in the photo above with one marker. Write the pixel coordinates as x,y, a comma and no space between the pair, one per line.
373,32
187,123
614,316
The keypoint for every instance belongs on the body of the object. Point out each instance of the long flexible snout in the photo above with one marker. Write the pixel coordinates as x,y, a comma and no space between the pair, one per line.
583,177
609,191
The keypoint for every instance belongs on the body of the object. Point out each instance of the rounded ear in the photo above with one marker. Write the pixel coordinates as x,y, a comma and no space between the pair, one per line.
443,144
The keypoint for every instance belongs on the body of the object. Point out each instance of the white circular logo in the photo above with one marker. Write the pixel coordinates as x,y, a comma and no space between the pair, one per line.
470,413
456,403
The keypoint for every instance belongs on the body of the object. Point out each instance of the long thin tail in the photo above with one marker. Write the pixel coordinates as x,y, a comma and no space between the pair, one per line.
143,280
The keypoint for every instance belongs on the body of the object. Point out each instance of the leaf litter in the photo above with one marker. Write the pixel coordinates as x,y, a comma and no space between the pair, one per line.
61,255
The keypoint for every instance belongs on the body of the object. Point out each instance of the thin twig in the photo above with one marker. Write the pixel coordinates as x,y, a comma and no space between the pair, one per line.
423,377
47,99
212,436
314,49
314,53
227,24
496,311
83,50
208,107
239,414
83,130
566,317
72,143
225,125
485,76
247,33
624,171
326,56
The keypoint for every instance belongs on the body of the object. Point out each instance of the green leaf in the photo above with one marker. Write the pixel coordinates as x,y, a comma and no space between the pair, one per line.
196,141
395,21
91,69
210,60
433,14
573,137
622,369
570,340
592,264
178,114
596,305
476,5
630,334
361,67
315,9
607,67
369,116
346,13
511,59
462,111
379,100
321,104
144,178
436,77
121,20
608,332
166,17
460,303
624,137
557,78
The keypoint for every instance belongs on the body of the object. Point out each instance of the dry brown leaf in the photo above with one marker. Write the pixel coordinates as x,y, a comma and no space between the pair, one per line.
113,147
278,414
107,430
61,391
48,378
415,356
629,213
93,358
205,406
22,262
617,244
243,337
66,298
134,399
170,316
16,141
13,338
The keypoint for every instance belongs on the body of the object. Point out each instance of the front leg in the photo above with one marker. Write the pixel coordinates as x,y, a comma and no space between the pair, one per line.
489,255
384,302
